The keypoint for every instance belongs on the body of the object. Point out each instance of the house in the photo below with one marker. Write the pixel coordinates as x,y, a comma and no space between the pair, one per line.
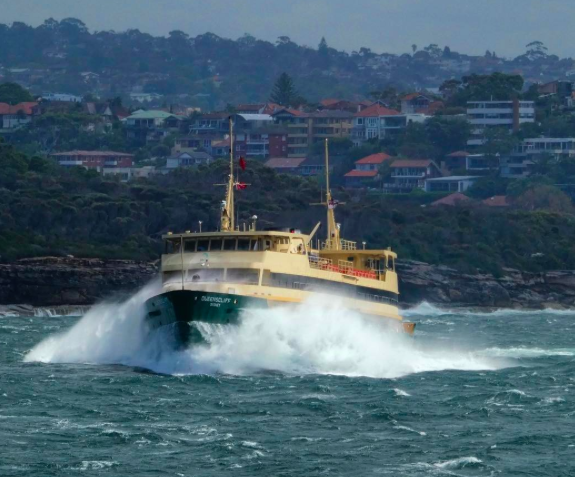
463,160
501,114
258,108
344,105
366,170
452,200
211,124
410,174
96,160
187,159
379,122
417,103
285,165
12,117
563,89
313,166
449,184
145,97
151,126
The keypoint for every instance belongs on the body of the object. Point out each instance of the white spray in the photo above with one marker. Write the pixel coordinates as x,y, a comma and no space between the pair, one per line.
318,337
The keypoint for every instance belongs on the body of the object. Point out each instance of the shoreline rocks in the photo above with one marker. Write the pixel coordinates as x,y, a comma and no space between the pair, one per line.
65,285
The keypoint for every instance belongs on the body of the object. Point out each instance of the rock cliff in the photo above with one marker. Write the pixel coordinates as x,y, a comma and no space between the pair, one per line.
446,286
50,281
53,282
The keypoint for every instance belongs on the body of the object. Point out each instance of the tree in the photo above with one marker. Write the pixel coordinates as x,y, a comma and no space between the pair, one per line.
322,48
545,197
414,47
13,93
284,92
388,95
536,50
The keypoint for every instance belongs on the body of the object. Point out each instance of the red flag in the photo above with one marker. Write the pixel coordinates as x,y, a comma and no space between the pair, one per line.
241,186
243,163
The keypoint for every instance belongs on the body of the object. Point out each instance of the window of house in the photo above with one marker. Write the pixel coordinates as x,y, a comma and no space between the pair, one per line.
360,121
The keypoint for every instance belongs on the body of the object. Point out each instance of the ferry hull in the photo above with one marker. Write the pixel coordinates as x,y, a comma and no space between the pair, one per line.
176,310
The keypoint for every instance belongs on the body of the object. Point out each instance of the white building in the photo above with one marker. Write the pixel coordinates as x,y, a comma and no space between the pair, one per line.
62,97
501,114
450,184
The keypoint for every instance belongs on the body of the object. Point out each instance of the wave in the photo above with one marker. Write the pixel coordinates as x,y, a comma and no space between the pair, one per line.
428,310
519,352
318,337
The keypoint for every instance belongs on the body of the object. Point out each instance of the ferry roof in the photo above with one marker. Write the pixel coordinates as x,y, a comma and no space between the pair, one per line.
237,233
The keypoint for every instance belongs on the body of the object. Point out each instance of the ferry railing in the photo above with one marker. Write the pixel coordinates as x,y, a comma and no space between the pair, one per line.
343,245
343,266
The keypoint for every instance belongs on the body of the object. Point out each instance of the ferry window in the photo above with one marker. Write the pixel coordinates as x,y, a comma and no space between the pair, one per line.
190,245
203,245
172,246
230,244
268,245
248,276
392,264
172,277
256,245
243,244
205,275
215,245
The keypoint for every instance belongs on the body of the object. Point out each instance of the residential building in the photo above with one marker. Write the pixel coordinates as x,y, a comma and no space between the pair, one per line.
187,159
410,174
96,160
258,108
298,127
449,184
313,166
13,117
563,89
366,170
145,97
151,126
378,121
518,164
463,160
417,103
212,124
285,165
501,114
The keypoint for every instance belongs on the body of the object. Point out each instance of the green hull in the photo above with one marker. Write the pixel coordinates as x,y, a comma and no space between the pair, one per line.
177,310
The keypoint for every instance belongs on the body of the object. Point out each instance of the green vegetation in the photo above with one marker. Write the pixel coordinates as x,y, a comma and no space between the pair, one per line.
13,94
48,210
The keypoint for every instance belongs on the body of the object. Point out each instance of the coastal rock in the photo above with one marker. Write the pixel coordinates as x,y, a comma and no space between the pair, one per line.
54,281
441,285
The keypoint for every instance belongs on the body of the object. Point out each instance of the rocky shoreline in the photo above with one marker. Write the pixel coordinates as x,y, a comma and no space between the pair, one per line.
55,285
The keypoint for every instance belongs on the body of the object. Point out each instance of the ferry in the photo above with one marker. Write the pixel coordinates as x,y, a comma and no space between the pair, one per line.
216,277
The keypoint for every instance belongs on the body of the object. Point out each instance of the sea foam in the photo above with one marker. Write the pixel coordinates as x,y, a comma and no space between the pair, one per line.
318,337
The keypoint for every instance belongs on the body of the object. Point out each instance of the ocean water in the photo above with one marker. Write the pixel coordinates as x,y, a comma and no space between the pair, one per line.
310,390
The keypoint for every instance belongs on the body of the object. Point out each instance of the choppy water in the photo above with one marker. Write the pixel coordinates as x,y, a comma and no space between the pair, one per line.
309,391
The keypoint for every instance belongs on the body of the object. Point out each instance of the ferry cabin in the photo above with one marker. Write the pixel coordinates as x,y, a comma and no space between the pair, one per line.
281,267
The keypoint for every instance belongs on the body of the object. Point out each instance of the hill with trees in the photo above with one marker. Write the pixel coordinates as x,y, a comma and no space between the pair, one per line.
211,71
49,210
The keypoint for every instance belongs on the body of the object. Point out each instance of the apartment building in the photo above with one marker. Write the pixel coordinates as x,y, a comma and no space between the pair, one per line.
96,160
501,114
306,129
379,121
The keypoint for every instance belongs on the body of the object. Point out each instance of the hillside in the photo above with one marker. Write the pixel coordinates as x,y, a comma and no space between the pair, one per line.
210,71
46,210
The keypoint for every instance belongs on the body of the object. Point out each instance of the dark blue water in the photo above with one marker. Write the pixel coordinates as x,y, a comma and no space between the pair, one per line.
308,391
